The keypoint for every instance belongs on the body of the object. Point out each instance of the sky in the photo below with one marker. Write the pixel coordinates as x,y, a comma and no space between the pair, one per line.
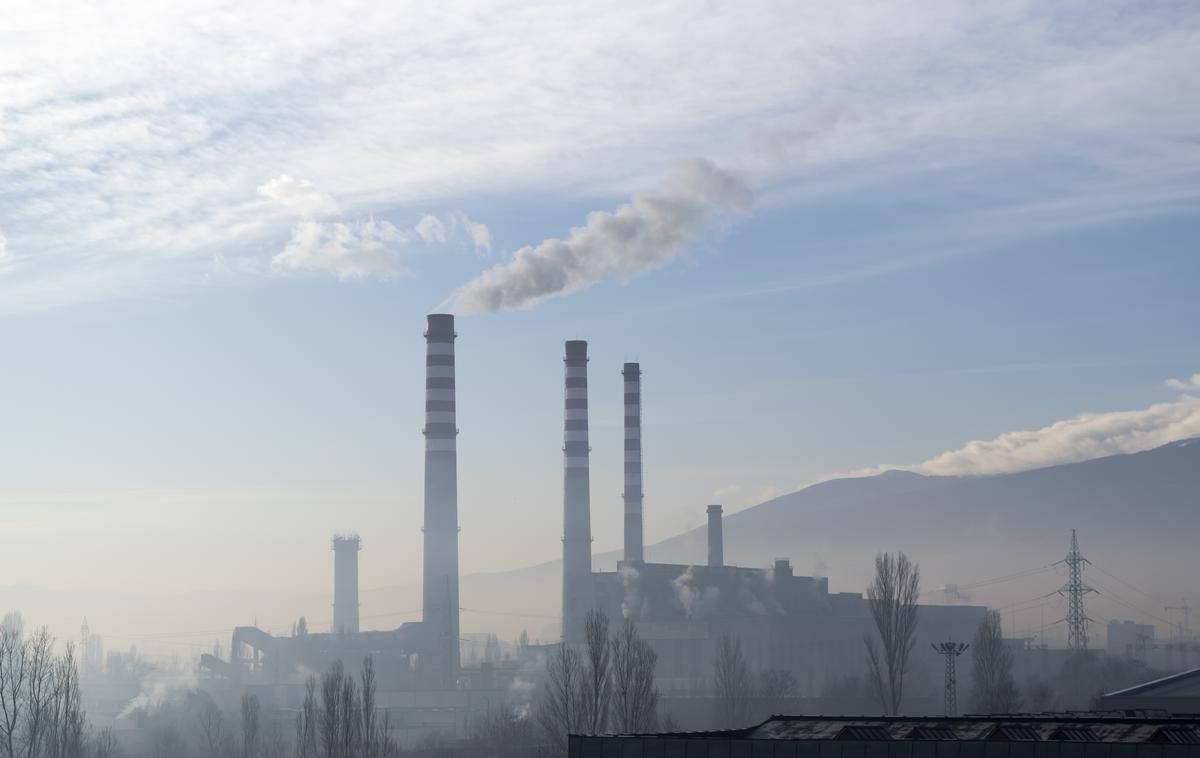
839,237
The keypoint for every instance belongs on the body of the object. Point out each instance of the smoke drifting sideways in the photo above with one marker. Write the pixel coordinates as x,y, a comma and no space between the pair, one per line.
637,237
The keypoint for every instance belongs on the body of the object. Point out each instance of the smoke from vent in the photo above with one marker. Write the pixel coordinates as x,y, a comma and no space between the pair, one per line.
637,237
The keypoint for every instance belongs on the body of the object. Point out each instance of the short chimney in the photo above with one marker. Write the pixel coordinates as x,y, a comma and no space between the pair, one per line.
345,583
716,543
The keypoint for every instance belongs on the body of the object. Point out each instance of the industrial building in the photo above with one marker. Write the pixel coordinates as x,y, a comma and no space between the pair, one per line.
1060,735
784,621
1176,694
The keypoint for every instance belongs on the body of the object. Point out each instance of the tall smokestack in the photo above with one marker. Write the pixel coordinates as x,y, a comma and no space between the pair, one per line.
440,587
716,542
633,462
577,507
345,583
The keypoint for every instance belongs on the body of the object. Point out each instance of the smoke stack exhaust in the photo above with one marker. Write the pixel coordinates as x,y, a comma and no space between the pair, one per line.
633,462
345,583
440,585
577,507
716,541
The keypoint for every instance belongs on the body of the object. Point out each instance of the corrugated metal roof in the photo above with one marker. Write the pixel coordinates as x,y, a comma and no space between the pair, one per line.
1075,727
1176,735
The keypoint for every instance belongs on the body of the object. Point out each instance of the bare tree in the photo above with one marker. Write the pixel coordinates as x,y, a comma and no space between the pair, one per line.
993,689
13,673
597,676
369,726
634,696
506,735
560,710
776,686
329,716
306,722
892,597
250,726
104,745
210,723
40,679
732,678
67,723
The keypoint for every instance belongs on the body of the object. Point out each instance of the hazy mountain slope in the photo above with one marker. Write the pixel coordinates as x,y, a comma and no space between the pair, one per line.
1138,518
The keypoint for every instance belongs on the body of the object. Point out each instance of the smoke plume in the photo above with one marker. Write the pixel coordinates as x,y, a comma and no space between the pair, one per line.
639,236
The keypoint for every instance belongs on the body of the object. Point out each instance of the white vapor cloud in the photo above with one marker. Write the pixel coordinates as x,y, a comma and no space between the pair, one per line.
5,258
348,251
299,195
1084,437
1191,384
431,229
637,237
480,235
370,248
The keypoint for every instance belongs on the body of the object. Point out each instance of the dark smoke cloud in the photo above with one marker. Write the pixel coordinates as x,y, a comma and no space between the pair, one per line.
639,236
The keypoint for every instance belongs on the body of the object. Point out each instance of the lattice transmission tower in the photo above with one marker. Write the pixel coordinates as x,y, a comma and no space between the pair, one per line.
1074,590
951,651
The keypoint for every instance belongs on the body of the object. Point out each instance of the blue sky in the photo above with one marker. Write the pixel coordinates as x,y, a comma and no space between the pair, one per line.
859,236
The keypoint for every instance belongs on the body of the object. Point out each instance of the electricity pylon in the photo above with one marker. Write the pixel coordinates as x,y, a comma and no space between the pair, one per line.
950,651
1074,590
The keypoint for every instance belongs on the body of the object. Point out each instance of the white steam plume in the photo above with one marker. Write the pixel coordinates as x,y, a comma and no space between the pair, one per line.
637,237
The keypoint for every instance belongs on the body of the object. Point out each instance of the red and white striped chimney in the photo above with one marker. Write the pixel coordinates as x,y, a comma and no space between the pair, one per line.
440,585
577,518
633,462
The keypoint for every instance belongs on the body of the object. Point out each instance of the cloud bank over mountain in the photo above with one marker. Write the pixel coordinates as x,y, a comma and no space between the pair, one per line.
1080,438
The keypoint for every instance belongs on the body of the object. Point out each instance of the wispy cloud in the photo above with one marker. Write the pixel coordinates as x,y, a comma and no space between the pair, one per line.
1081,438
348,251
299,195
1190,384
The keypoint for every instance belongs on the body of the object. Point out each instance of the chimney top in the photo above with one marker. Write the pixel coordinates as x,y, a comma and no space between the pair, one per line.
577,349
714,509
440,324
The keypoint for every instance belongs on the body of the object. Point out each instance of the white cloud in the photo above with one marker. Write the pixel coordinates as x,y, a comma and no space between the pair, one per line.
135,141
431,229
348,251
1084,437
5,258
479,234
1191,384
638,237
299,195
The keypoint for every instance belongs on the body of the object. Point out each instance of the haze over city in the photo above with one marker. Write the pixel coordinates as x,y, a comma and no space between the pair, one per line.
888,244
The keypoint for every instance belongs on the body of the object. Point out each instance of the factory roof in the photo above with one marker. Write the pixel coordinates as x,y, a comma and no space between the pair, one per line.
1185,684
1083,726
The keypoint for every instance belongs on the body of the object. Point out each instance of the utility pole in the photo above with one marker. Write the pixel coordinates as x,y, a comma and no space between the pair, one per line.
1074,590
950,651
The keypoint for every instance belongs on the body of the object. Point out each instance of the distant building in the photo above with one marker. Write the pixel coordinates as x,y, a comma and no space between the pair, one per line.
1067,735
787,622
1177,694
1128,639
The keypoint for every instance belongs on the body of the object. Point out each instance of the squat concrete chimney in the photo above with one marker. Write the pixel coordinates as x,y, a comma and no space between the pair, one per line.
440,579
633,462
345,583
716,543
577,517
